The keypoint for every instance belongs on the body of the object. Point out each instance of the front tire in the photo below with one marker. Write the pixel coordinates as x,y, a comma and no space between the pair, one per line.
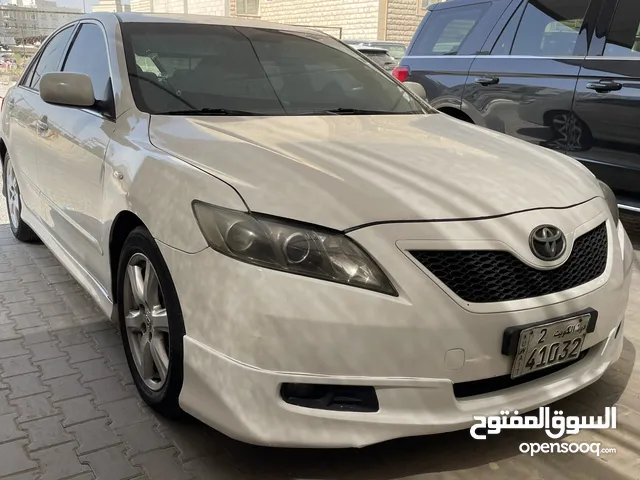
20,230
151,323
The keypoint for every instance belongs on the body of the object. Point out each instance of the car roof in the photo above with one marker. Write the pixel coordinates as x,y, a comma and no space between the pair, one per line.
130,17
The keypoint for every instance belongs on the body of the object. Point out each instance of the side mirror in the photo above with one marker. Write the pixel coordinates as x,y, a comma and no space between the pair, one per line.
417,89
65,88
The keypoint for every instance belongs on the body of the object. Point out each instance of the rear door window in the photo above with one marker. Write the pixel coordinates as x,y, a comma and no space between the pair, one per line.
50,57
447,29
623,39
550,28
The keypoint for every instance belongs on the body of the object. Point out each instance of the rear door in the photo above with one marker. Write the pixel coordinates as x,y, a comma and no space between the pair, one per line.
444,46
607,102
524,87
24,113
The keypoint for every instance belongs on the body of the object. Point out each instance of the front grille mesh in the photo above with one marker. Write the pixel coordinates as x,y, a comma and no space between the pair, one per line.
497,276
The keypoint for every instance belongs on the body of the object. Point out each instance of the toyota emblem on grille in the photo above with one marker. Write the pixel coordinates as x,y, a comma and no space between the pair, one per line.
547,242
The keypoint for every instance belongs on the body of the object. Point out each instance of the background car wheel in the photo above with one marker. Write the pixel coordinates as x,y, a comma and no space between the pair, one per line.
151,323
570,133
20,230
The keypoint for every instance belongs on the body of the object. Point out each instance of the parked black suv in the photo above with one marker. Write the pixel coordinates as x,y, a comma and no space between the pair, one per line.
564,74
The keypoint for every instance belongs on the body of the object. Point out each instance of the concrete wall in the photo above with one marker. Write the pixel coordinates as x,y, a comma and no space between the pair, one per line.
140,5
201,7
207,7
394,20
358,18
403,17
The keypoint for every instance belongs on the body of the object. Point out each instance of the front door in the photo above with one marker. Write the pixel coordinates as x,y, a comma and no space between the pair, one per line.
70,159
525,86
607,102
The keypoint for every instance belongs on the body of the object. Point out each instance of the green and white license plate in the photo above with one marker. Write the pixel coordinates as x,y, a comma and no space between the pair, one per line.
550,344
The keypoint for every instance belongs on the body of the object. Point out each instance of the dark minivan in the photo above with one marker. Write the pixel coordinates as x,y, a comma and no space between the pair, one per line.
563,74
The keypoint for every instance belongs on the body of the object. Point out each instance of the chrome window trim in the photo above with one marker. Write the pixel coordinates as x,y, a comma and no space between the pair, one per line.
527,57
628,208
602,57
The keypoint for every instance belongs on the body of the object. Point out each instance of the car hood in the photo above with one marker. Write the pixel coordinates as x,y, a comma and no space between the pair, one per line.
342,171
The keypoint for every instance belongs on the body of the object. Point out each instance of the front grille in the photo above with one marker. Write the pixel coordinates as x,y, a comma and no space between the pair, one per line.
480,276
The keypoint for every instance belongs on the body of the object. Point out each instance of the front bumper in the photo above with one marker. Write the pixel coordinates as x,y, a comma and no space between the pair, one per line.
243,401
248,330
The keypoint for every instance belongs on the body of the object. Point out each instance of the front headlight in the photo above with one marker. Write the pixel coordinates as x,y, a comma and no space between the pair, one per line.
610,197
289,247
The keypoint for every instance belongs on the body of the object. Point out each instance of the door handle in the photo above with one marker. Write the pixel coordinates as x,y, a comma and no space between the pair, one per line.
604,86
486,81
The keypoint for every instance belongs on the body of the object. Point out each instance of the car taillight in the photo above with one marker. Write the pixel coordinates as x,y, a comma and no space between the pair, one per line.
401,73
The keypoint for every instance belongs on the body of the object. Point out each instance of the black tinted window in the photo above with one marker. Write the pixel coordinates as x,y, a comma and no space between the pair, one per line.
381,59
505,40
51,55
623,39
550,28
88,54
396,51
447,29
269,72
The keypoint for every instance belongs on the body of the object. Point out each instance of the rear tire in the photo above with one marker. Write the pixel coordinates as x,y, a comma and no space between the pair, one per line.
20,230
151,323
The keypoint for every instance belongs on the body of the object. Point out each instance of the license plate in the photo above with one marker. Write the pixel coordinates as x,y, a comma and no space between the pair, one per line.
550,344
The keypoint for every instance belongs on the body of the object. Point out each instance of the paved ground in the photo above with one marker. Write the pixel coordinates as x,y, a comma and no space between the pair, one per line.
68,408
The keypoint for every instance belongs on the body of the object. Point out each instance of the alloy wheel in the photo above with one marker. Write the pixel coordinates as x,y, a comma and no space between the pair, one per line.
146,321
13,196
569,131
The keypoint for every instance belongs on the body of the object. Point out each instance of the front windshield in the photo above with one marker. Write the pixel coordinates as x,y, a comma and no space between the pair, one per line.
214,69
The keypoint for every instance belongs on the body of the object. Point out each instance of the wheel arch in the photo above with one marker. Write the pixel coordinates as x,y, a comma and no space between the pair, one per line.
456,113
3,154
124,223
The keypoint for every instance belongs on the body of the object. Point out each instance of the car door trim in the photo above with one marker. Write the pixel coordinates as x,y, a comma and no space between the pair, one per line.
628,208
73,223
596,57
564,57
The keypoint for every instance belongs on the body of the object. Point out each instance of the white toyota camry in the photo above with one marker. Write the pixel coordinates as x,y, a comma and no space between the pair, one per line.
299,251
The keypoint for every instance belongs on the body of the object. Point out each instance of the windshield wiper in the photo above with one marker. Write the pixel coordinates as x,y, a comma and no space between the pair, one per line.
357,111
209,111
